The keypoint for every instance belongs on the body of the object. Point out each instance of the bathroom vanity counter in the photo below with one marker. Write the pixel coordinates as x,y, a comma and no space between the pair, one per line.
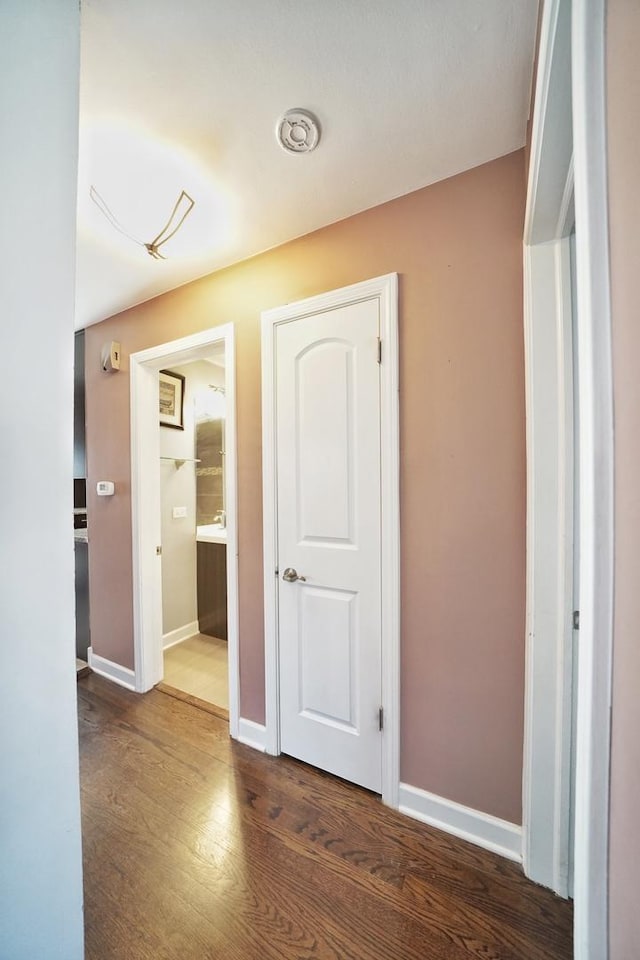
211,533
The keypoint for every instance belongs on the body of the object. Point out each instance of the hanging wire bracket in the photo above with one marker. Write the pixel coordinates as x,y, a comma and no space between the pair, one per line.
182,208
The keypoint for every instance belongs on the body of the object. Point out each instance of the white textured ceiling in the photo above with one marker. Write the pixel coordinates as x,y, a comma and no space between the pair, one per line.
186,95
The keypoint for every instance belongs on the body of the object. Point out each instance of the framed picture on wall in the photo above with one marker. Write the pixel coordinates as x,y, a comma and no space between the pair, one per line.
171,399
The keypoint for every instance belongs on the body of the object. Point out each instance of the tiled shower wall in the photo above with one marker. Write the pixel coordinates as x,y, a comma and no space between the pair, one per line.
209,472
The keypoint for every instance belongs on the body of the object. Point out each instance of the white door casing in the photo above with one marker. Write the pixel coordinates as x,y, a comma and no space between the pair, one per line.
284,599
549,405
145,505
328,500
571,34
596,482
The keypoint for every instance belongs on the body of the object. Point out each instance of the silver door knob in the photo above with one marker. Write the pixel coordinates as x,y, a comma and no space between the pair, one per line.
291,575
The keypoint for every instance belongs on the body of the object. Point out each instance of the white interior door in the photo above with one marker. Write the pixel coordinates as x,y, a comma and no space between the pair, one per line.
328,532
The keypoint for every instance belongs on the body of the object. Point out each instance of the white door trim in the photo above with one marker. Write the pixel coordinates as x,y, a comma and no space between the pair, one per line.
549,434
386,290
145,504
591,920
549,643
576,103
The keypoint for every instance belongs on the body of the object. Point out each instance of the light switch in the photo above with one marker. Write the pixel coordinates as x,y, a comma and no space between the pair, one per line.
179,513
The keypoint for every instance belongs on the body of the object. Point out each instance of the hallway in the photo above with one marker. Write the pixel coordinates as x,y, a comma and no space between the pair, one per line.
198,848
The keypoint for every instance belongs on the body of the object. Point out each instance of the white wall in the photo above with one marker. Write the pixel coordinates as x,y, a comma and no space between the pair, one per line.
40,865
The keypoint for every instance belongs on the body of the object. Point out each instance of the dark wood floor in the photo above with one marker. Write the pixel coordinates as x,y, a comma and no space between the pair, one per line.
198,848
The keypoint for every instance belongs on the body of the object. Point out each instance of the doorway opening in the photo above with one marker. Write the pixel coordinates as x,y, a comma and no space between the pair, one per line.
183,467
194,534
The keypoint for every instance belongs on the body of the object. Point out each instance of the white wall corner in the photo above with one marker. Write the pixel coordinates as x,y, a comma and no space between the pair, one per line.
111,671
482,829
252,734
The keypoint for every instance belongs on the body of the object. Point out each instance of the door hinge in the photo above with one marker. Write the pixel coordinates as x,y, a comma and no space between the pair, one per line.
380,718
379,350
576,619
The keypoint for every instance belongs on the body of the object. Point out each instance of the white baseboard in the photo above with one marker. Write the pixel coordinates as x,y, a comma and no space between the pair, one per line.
486,831
252,734
182,633
112,671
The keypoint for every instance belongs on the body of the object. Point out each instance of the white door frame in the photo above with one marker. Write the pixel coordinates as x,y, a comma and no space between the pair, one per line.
563,104
145,504
549,406
385,290
596,482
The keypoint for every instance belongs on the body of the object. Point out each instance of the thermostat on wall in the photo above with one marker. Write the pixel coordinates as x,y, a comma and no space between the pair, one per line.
105,488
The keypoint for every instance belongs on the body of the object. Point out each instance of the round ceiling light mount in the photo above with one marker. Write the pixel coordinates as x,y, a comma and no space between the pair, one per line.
298,131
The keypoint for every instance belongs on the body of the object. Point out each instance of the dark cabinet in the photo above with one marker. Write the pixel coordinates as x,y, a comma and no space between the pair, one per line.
83,639
79,443
80,502
212,589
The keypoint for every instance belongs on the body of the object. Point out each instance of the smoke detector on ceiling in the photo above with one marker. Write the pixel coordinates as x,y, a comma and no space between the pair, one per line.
298,131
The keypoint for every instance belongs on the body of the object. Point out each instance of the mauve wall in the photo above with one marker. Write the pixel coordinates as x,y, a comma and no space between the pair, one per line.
457,246
623,96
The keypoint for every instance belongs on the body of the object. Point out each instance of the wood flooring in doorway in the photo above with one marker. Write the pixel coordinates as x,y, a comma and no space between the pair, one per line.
198,848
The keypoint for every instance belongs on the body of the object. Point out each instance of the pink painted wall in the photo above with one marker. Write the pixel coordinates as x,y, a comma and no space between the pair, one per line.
623,96
457,246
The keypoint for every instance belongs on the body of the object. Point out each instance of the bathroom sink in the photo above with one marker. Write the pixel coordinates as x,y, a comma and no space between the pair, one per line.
211,533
